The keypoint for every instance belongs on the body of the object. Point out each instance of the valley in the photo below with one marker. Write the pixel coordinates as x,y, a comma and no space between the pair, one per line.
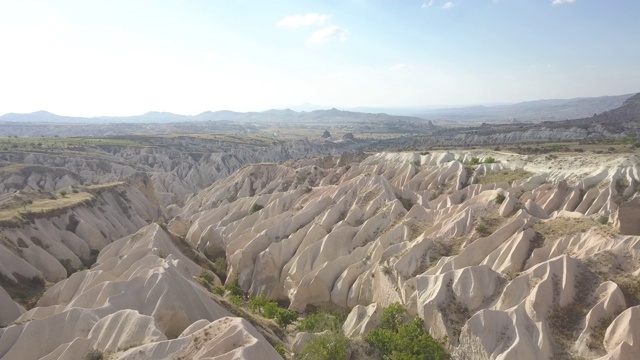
512,241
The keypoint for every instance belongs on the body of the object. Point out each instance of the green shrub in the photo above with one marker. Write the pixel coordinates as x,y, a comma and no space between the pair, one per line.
604,220
257,303
236,300
321,321
500,198
331,346
220,267
94,354
392,317
410,342
63,193
489,160
218,290
398,340
270,309
233,286
474,161
281,350
285,317
207,277
256,207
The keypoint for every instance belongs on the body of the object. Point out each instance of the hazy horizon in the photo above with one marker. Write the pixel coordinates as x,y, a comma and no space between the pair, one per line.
400,110
119,58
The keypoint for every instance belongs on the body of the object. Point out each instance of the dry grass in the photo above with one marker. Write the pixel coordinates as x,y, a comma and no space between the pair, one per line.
563,226
508,176
487,225
111,185
25,291
17,215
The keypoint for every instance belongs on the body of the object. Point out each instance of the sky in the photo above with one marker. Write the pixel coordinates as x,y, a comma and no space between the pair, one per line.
125,57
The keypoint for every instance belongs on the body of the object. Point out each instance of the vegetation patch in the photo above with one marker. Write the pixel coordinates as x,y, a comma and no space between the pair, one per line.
506,175
487,225
562,226
564,321
630,286
399,340
330,346
24,291
94,354
596,337
320,321
255,208
18,215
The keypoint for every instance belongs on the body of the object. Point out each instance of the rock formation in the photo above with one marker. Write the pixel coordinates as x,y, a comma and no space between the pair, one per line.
507,256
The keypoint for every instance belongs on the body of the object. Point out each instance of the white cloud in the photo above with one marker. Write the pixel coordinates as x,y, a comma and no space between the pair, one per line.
296,21
399,67
448,5
326,34
427,4
560,2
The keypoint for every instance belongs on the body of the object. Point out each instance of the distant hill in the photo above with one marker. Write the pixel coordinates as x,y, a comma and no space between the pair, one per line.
287,115
625,117
539,110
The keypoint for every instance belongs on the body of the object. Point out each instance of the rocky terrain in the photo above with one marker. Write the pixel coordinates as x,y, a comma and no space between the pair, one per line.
122,252
620,122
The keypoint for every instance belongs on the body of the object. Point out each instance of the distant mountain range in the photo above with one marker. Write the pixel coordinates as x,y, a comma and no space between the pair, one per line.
287,115
539,110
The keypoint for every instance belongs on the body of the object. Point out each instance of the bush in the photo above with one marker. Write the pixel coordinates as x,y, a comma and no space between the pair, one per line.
63,193
489,160
281,350
270,309
409,342
94,354
236,300
321,321
257,303
500,199
604,220
256,207
218,290
207,277
392,317
220,267
474,161
233,287
285,317
332,346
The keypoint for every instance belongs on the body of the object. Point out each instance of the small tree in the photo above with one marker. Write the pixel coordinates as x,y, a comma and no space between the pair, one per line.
392,316
405,341
63,193
331,346
285,317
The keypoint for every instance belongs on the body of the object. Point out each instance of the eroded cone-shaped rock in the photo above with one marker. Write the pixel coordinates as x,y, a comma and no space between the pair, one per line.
361,320
9,310
622,339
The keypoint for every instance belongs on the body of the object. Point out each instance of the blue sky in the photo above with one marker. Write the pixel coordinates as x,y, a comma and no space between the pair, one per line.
124,57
